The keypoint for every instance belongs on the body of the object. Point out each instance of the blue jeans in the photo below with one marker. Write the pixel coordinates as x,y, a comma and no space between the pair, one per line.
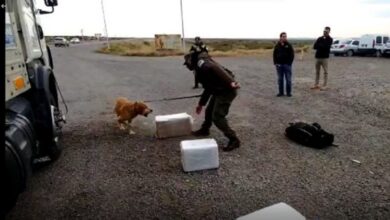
284,72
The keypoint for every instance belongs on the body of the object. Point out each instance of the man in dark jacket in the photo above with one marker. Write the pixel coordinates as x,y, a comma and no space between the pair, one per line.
198,47
322,47
220,89
283,59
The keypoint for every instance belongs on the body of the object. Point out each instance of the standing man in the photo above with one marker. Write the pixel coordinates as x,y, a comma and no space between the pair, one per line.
283,59
322,47
197,48
220,89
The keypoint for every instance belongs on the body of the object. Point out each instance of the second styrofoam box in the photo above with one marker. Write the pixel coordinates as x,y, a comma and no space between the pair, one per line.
199,154
173,125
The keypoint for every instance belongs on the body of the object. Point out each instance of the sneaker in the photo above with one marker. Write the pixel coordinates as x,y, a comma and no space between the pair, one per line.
195,87
279,95
324,88
289,95
233,144
201,132
315,87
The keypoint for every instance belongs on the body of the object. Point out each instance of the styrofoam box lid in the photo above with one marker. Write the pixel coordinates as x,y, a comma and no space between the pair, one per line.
198,144
172,117
280,211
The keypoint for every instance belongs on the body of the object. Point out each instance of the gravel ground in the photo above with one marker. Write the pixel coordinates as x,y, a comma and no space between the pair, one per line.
104,173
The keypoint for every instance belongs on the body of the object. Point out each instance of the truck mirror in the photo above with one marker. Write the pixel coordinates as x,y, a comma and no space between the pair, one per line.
51,3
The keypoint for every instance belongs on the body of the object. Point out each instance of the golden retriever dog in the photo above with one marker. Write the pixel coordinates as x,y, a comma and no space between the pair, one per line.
127,110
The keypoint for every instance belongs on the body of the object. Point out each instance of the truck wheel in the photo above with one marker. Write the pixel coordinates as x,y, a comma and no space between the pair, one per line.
350,53
47,113
53,146
378,53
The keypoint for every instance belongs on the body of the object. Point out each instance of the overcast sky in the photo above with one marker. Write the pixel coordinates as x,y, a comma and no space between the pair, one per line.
219,18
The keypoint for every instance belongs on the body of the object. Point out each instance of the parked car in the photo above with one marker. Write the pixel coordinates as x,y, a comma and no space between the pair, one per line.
75,40
345,47
61,42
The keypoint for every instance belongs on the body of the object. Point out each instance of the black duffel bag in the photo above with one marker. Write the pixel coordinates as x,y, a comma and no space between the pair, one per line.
311,135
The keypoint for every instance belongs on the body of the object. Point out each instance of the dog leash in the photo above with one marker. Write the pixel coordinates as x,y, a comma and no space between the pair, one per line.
176,98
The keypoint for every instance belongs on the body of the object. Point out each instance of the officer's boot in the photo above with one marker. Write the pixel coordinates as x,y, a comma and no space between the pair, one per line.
201,132
234,143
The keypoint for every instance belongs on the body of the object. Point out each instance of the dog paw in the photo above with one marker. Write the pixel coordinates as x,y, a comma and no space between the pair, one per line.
131,132
122,127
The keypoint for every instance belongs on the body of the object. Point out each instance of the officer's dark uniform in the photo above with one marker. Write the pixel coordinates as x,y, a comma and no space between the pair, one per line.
219,94
198,48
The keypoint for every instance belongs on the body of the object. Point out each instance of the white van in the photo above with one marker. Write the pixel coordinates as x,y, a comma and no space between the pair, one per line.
372,44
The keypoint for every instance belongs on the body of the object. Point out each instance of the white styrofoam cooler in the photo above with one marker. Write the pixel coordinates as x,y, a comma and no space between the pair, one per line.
280,211
199,154
173,125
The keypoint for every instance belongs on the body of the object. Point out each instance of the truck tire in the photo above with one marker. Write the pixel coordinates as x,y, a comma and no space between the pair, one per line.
52,142
46,110
53,146
350,53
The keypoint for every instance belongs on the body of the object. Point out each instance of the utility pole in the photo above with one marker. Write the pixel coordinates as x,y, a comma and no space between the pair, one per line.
182,26
82,34
105,26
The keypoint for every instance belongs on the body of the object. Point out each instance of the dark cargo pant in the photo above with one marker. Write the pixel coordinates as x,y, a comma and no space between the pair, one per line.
196,84
217,110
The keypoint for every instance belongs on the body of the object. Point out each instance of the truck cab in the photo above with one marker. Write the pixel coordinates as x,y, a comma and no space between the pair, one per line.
33,118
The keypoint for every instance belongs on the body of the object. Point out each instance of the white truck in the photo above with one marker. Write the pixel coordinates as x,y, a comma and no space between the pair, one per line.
33,118
372,44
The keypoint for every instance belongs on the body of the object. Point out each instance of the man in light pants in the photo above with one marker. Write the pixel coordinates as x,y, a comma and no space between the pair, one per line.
322,47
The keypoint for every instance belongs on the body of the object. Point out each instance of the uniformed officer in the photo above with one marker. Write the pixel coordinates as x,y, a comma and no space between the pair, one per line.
220,89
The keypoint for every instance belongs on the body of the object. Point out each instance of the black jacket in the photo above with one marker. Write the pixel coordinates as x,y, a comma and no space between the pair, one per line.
322,45
214,78
283,54
199,48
